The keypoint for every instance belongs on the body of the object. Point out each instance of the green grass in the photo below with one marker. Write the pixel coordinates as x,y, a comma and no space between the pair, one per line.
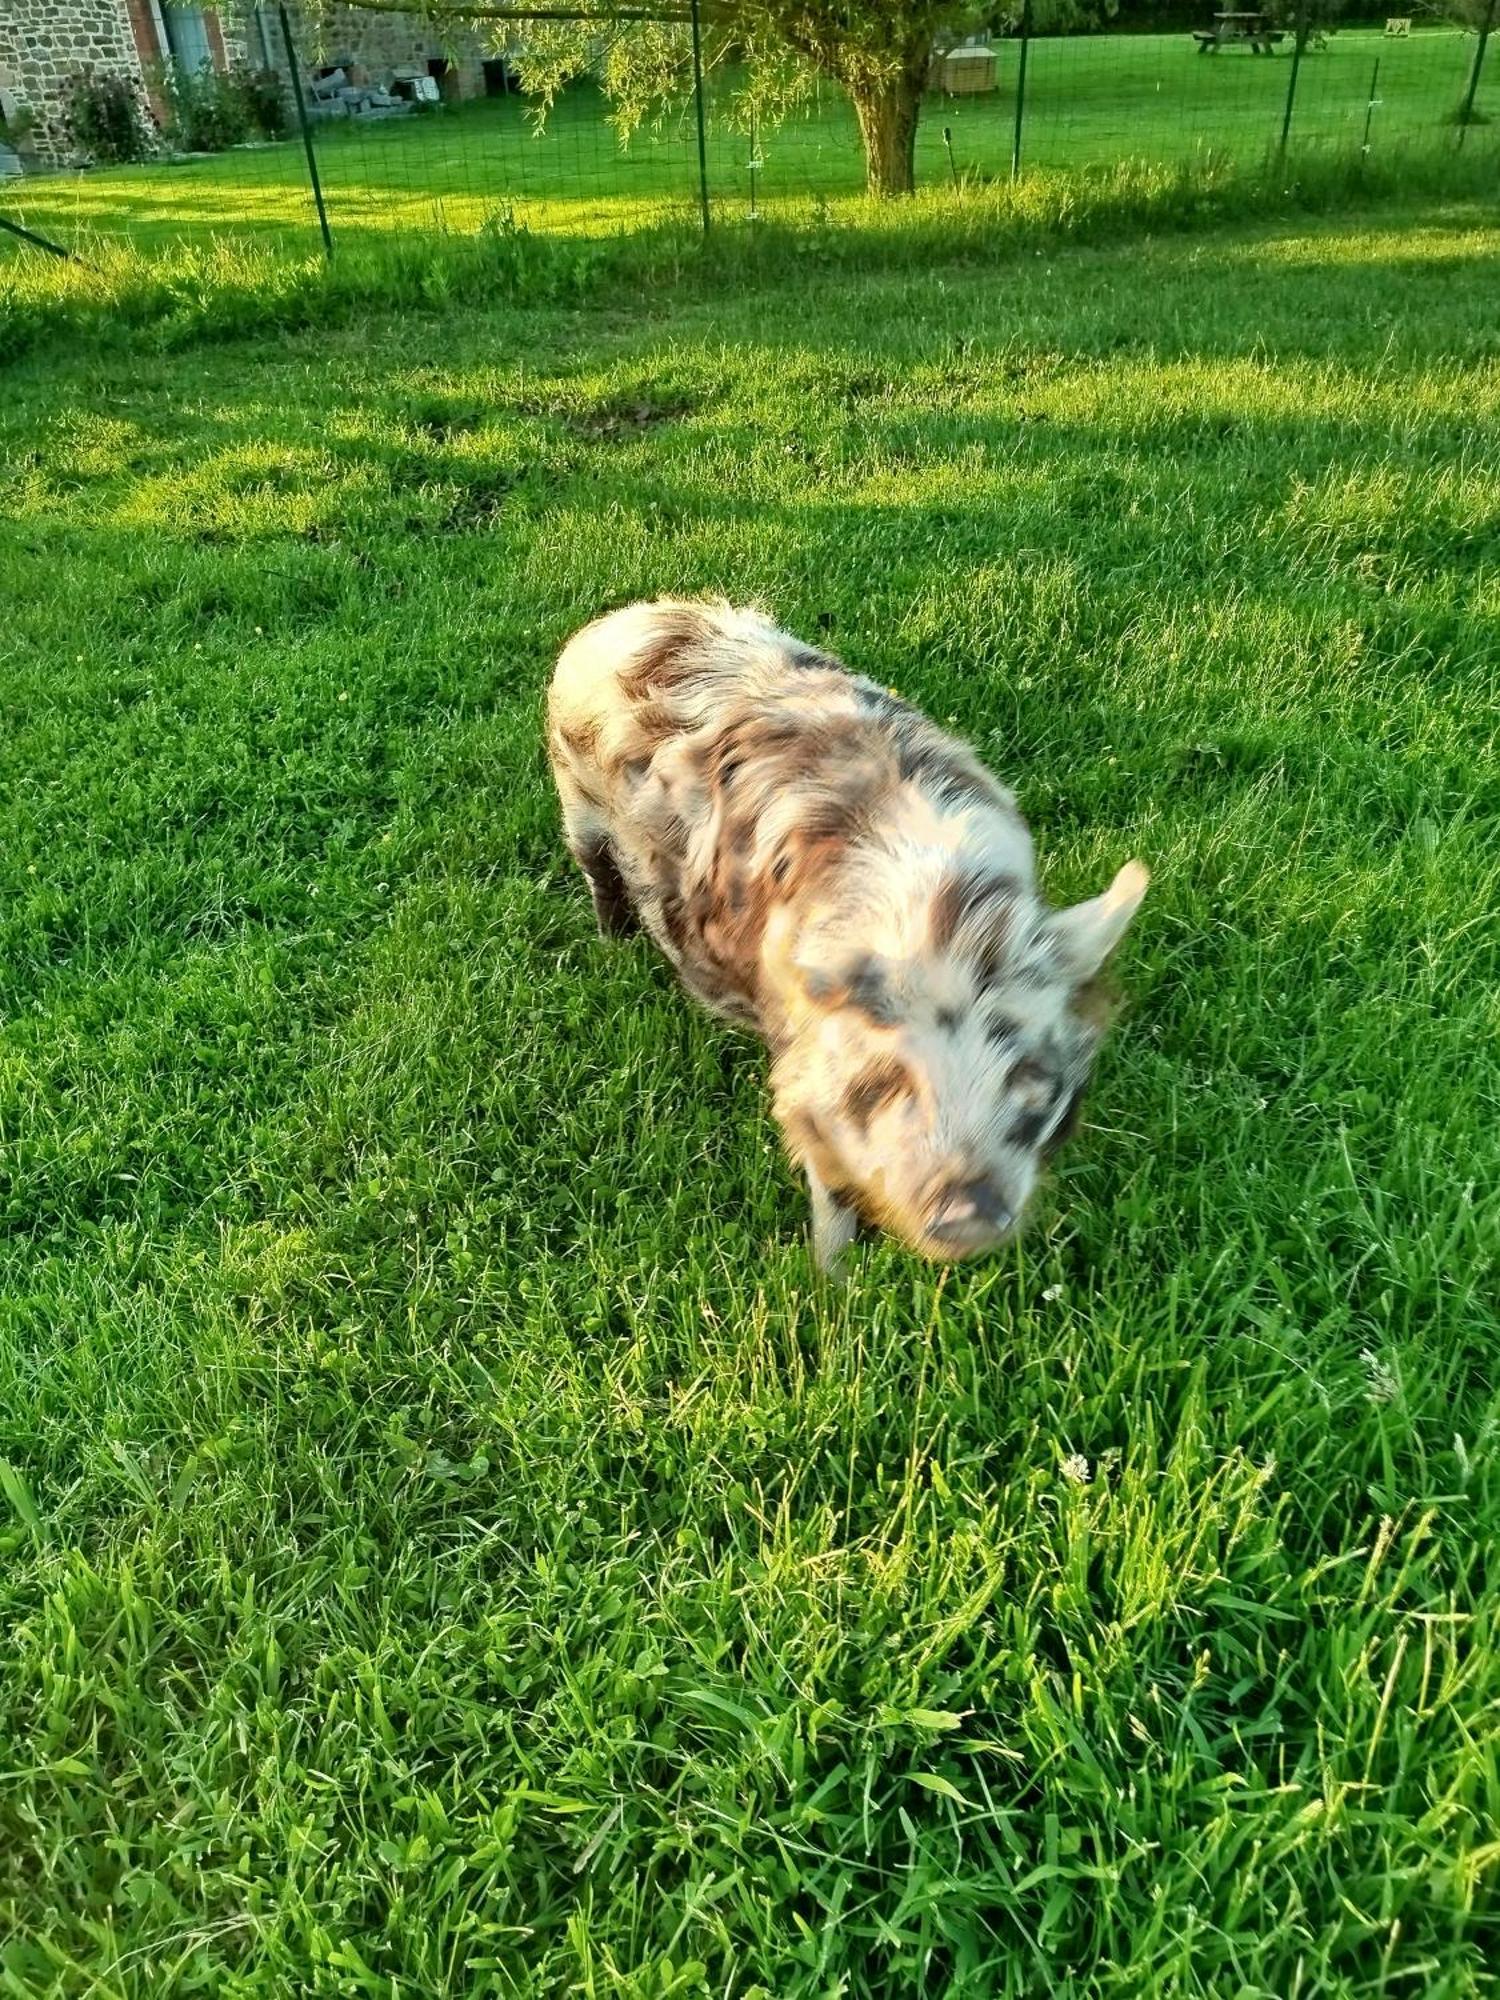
451,1544
1094,101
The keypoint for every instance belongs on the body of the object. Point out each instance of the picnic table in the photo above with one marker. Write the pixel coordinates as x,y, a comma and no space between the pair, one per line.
1239,29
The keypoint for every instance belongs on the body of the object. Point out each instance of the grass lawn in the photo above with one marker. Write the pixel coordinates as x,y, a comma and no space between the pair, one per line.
1091,101
451,1544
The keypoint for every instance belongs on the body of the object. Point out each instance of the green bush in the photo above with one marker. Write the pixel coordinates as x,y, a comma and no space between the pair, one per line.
209,110
203,114
104,117
267,102
18,129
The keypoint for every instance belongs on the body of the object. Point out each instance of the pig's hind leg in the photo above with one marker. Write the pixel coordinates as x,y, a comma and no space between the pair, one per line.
586,831
613,909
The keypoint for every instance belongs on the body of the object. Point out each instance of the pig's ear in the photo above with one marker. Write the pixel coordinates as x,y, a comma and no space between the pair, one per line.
1086,934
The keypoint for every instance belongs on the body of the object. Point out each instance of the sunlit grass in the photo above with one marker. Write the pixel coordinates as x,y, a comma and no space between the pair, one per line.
1092,102
451,1543
226,286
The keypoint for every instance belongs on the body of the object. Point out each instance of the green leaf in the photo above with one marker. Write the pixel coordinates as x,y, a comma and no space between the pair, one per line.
18,1493
944,1787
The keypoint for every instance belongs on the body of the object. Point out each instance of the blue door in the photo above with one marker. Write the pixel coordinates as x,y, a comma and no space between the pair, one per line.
187,38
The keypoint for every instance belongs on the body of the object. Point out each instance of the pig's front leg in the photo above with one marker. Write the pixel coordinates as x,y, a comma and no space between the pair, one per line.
834,1227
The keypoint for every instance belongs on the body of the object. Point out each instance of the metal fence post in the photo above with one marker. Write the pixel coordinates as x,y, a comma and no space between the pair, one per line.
1370,104
1466,115
42,243
305,123
698,101
1291,83
1015,144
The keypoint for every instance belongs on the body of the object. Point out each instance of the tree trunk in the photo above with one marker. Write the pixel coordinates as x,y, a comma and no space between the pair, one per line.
887,114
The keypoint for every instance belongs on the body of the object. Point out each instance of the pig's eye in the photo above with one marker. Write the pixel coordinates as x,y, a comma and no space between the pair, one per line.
1032,1086
880,1085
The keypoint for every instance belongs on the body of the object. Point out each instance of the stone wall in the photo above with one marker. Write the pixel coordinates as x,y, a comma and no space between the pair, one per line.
45,42
376,44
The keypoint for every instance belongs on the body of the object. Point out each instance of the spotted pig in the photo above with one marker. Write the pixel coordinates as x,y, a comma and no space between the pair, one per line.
823,865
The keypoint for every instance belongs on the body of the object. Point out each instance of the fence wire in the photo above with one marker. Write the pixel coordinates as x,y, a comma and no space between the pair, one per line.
408,125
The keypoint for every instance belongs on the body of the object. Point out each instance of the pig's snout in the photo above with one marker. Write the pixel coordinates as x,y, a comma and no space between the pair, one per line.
969,1216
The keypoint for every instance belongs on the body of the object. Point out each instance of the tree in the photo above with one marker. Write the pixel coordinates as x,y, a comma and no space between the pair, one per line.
878,50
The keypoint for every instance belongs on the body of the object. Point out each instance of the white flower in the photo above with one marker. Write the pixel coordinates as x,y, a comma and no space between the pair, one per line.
1052,1294
1075,1469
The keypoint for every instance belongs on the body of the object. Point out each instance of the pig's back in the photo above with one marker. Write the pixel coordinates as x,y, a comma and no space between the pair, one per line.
741,776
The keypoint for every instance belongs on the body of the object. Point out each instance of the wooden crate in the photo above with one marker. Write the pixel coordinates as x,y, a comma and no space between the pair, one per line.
965,72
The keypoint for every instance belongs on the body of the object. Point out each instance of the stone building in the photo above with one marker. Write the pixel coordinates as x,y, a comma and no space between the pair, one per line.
44,43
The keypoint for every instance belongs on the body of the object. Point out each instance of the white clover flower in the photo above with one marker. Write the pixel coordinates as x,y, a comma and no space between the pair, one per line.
1076,1470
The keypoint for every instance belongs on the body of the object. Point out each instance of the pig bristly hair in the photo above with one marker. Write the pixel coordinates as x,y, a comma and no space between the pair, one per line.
822,863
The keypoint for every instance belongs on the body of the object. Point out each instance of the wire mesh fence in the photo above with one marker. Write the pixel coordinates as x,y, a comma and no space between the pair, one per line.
369,123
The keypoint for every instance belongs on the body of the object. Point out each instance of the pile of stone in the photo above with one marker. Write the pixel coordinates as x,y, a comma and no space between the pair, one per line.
348,92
